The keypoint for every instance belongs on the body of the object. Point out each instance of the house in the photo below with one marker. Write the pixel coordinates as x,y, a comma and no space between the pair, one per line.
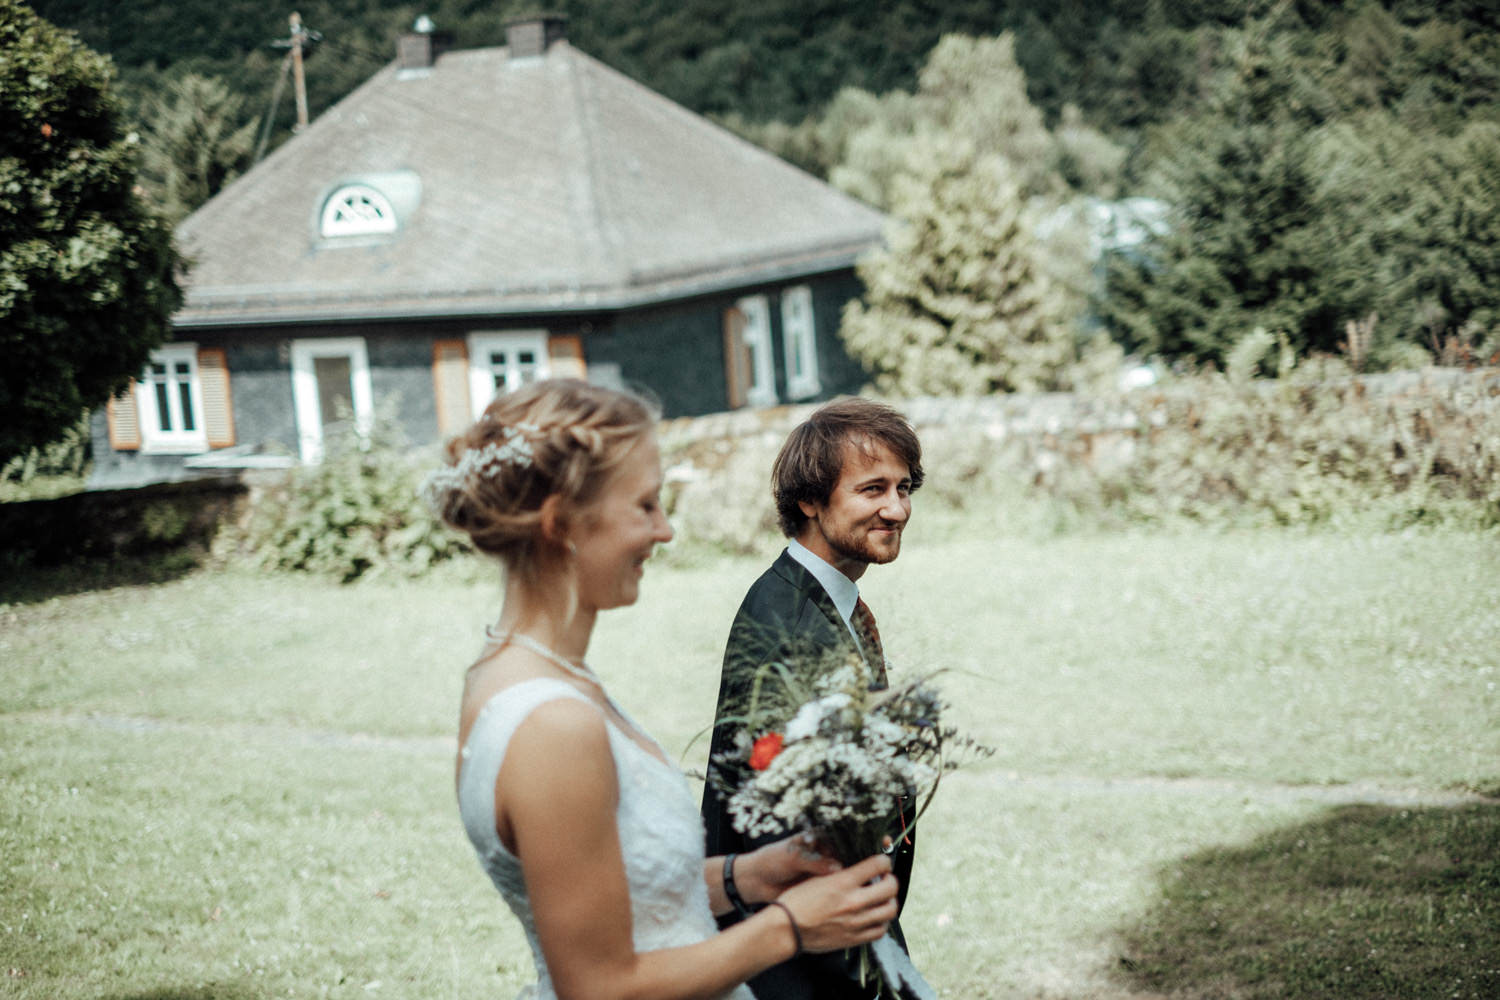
468,220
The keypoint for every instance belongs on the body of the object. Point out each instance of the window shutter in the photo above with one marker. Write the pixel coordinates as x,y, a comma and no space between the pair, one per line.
565,357
124,421
736,358
450,385
218,406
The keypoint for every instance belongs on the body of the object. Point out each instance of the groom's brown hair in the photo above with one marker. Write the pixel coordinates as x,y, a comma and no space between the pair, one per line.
810,461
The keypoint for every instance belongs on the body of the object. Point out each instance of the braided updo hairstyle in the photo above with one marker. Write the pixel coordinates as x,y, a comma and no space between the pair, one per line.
569,435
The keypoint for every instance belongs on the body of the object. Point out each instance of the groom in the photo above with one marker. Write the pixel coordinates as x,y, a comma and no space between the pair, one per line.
843,483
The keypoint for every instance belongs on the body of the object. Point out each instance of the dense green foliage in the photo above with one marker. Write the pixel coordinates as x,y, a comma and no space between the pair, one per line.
87,274
193,143
773,60
1292,213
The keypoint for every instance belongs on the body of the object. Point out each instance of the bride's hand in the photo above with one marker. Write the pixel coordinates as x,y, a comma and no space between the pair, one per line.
768,871
844,909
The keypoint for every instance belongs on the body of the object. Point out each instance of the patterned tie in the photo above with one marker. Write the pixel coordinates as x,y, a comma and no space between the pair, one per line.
869,637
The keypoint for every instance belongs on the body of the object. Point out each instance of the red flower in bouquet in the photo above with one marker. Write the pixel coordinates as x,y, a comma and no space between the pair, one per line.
765,750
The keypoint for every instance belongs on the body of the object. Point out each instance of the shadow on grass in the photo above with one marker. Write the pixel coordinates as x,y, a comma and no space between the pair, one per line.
28,584
1368,901
214,991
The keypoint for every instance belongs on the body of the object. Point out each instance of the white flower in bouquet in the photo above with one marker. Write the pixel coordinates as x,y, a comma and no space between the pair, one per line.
809,718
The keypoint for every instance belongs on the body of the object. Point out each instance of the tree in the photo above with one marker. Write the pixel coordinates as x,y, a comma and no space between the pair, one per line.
968,297
957,303
1294,214
970,87
87,273
1240,251
192,144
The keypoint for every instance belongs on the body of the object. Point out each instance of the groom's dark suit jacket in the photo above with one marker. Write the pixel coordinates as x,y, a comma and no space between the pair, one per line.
786,613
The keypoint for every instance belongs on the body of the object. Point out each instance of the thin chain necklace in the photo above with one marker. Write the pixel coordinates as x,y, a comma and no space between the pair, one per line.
579,670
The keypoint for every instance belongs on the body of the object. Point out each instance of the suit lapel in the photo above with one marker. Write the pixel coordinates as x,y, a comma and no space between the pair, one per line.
796,576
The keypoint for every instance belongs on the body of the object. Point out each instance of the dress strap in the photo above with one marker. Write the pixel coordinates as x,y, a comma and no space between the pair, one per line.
483,751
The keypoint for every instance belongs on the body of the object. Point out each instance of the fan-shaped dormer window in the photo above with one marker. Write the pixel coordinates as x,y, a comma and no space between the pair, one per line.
357,210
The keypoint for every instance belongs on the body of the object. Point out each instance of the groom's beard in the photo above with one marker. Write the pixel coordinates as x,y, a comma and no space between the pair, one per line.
857,546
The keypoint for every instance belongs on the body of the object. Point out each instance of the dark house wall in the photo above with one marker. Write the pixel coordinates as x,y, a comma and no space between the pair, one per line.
260,384
677,350
840,374
401,378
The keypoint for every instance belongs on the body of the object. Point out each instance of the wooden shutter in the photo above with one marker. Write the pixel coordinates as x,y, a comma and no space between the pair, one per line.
218,406
565,357
736,358
450,385
124,421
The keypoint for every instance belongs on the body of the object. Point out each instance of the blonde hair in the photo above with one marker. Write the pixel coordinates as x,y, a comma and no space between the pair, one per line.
558,437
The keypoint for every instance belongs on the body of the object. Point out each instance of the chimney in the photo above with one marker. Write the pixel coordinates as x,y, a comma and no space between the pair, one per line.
531,36
419,48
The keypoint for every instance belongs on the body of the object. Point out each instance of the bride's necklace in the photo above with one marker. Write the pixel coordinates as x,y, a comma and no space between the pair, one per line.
579,670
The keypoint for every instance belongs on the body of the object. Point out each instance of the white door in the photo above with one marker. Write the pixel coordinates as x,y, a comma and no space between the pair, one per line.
330,385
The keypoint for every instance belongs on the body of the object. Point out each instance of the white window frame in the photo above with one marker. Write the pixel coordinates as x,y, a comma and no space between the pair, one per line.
153,437
483,343
305,389
799,343
761,390
356,210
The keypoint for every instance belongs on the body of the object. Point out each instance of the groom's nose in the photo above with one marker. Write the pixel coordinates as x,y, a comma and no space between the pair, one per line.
897,507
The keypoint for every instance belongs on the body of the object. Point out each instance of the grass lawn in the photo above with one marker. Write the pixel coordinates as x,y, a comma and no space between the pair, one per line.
1248,765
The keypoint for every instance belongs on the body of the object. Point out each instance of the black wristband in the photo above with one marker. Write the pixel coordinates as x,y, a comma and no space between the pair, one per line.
730,889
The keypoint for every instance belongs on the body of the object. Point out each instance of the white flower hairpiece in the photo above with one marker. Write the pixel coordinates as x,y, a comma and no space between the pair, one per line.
513,448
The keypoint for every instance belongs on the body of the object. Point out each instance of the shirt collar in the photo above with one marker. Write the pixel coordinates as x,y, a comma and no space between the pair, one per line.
843,591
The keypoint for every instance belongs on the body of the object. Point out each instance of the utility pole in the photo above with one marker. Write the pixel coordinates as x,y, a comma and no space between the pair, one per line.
299,83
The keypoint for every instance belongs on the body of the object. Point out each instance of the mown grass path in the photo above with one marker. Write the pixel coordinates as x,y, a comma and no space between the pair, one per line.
1357,793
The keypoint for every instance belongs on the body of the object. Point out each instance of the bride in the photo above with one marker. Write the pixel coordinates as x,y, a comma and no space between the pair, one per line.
577,815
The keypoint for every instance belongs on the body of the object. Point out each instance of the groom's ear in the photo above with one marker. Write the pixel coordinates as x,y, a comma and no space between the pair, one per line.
809,509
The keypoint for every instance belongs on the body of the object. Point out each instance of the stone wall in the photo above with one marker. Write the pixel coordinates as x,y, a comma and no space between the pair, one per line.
719,465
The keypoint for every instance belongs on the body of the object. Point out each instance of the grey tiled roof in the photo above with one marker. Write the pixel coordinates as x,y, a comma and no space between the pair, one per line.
552,183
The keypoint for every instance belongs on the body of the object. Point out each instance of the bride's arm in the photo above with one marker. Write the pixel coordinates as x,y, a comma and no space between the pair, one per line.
556,797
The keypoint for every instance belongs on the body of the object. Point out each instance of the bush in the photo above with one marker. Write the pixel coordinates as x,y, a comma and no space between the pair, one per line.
1315,447
49,470
358,513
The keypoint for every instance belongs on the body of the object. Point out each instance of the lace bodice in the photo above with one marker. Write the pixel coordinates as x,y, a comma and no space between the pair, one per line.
661,832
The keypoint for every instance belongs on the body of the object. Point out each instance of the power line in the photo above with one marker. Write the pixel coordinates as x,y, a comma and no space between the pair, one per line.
357,50
265,130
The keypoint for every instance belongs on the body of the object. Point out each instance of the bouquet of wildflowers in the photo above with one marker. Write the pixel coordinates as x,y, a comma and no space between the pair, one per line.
814,749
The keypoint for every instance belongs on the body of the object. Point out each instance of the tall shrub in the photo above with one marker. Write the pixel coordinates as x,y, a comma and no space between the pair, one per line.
358,513
957,302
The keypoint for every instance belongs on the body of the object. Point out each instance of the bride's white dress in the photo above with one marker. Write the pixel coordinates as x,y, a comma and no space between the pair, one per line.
661,831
